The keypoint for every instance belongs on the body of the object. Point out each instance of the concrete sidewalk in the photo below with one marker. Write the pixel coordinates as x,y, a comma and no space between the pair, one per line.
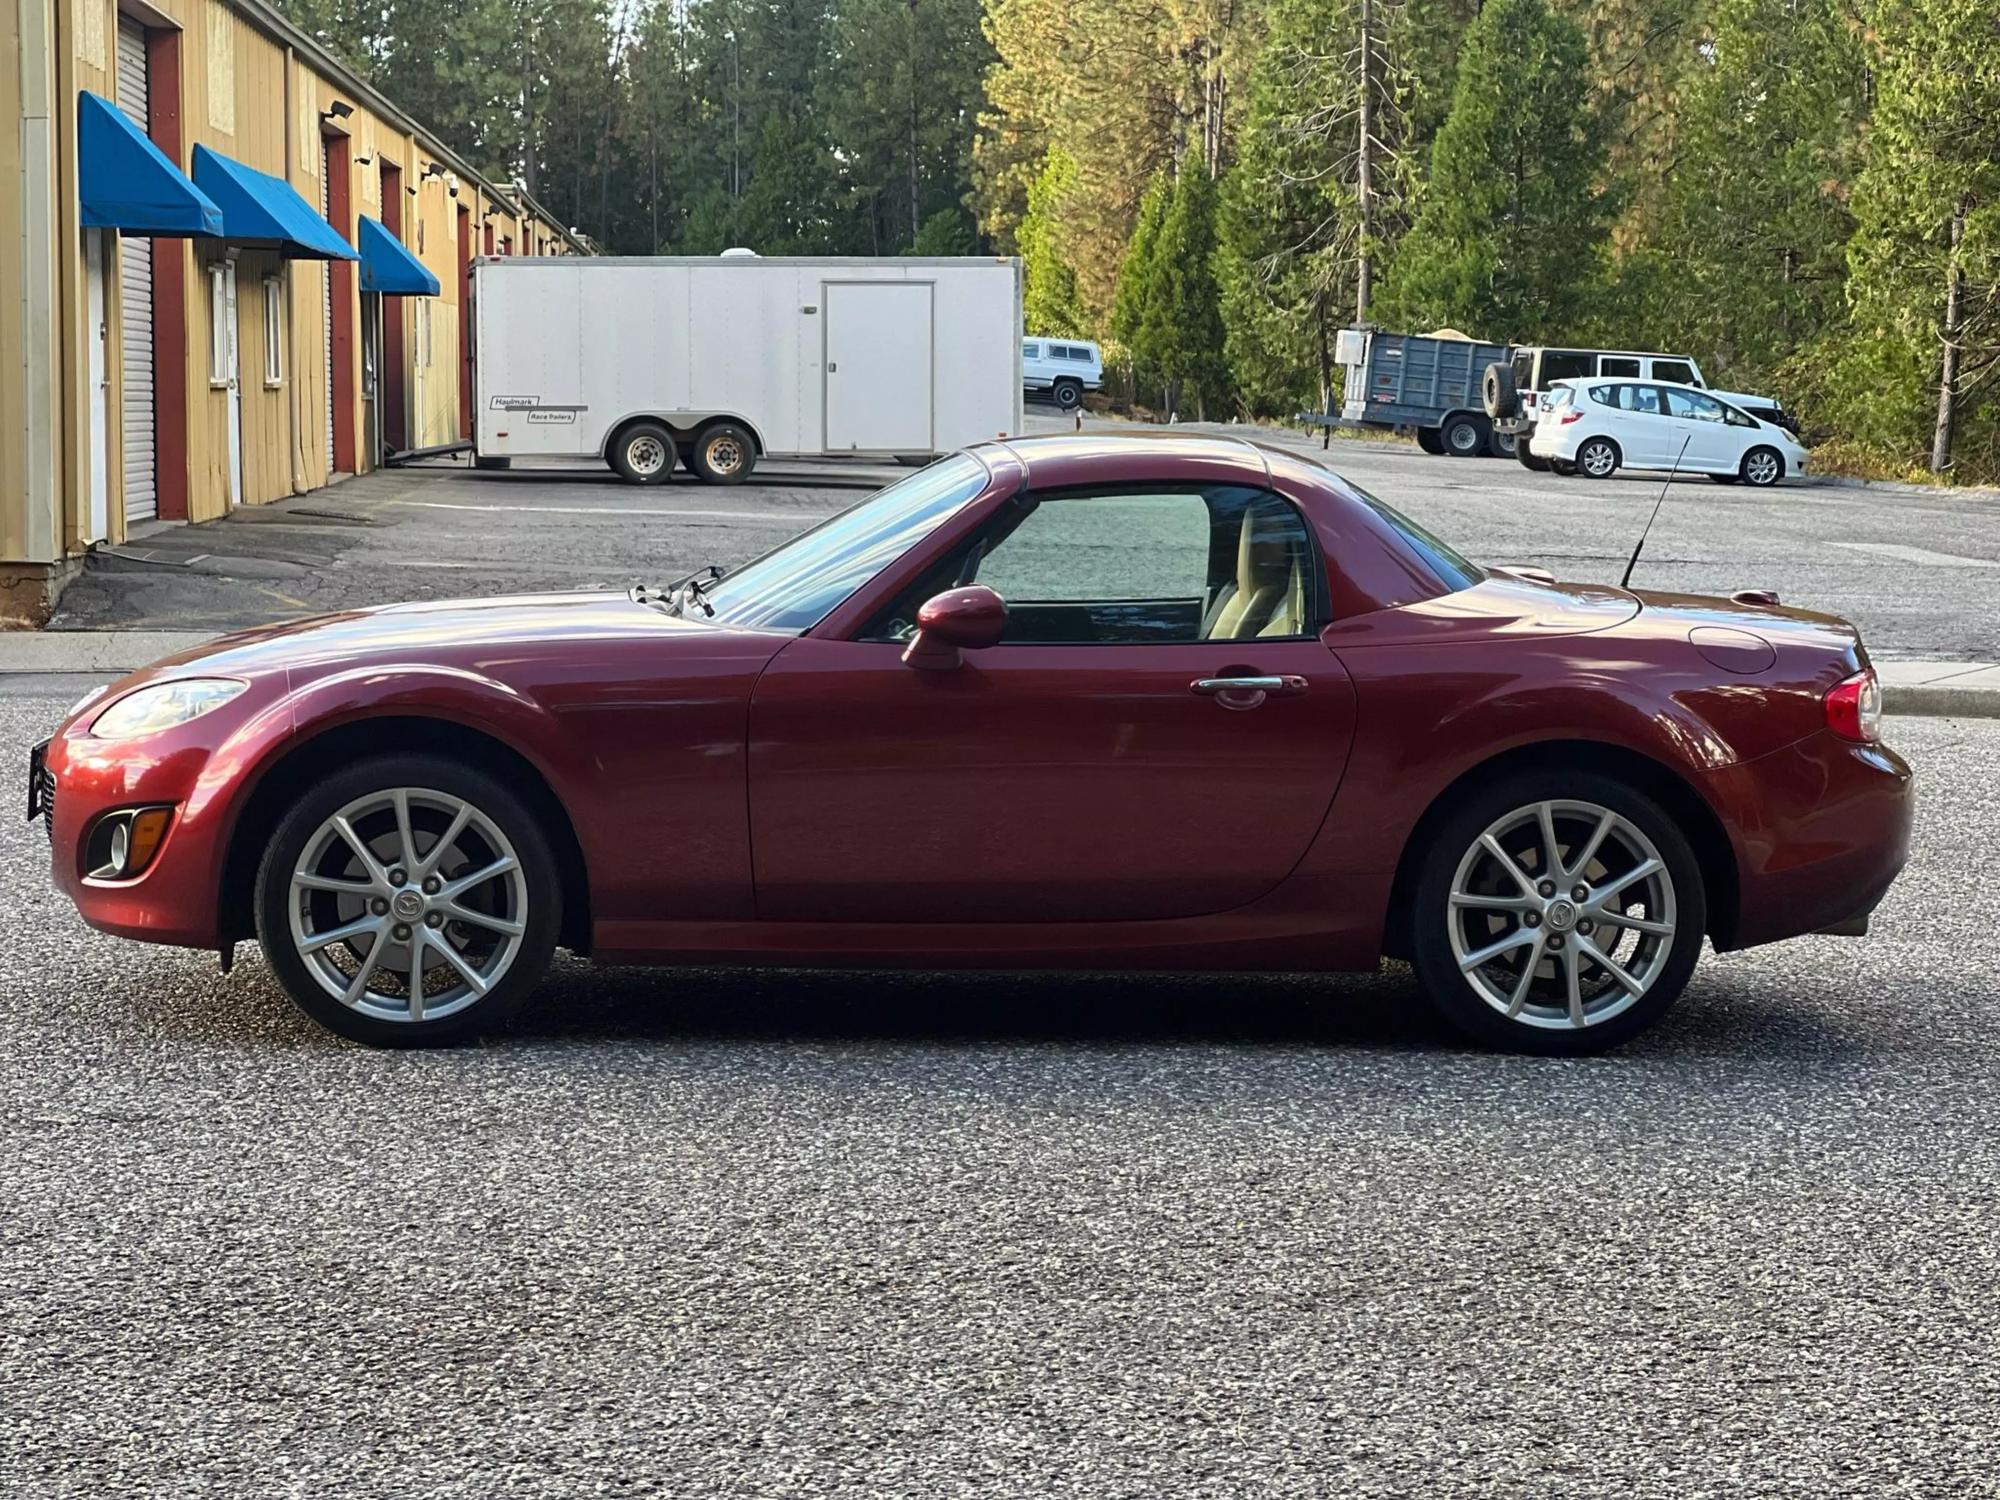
1931,689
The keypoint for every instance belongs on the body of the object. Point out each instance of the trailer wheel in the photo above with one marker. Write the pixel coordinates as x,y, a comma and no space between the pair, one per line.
1502,444
724,453
1429,440
643,453
1068,394
1464,435
492,461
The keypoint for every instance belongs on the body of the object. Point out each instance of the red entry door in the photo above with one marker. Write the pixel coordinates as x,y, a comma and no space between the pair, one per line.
1038,782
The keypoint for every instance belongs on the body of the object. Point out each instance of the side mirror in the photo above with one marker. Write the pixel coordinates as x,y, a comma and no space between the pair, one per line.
967,619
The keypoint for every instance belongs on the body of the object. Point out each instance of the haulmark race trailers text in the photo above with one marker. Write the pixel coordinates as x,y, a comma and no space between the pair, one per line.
649,363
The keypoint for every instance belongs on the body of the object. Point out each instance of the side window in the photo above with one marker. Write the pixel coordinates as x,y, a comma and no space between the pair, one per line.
1644,399
1693,404
1618,364
1565,364
1605,395
1031,351
1679,371
1132,568
1734,417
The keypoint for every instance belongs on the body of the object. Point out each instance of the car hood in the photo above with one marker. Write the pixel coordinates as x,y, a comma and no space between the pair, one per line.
451,630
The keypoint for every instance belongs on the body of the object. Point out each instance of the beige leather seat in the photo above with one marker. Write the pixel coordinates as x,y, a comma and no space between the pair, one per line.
1267,597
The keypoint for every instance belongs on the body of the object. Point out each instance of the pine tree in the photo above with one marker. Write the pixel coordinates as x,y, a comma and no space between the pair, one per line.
1134,324
1185,322
1747,262
1293,240
1509,240
1049,303
1924,266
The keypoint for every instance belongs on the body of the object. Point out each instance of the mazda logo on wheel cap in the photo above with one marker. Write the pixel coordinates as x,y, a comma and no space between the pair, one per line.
1562,916
408,905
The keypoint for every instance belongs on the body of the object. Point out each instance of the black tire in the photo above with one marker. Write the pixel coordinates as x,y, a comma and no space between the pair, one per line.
1430,440
1762,467
723,453
1067,394
1594,451
1503,444
643,453
1498,392
1450,987
539,870
1463,435
1528,460
491,461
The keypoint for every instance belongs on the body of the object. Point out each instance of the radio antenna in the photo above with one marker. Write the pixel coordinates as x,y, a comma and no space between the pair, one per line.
1640,546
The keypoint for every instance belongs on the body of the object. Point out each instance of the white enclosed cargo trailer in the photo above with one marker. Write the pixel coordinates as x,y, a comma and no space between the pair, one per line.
711,363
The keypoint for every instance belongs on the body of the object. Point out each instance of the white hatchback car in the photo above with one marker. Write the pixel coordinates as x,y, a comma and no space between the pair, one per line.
1595,427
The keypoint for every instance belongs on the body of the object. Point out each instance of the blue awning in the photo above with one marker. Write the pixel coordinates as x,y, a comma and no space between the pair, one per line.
126,182
387,267
259,209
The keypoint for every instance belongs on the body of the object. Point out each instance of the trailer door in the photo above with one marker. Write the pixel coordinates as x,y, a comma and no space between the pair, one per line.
879,366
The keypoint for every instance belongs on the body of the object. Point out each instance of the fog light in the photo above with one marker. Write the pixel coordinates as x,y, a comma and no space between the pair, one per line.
124,843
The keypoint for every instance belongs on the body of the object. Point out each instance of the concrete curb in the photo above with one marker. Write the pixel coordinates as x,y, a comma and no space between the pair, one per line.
1926,689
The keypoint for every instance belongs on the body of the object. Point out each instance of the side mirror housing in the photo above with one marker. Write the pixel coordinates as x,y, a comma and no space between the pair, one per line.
967,619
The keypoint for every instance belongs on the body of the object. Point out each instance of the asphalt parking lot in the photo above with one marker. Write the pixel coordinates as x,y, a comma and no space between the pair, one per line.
1908,566
708,1234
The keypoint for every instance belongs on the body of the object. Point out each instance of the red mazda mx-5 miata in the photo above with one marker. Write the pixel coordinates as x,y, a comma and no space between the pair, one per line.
1071,702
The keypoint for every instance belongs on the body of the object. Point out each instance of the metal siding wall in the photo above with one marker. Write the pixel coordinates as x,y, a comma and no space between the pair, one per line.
326,306
135,324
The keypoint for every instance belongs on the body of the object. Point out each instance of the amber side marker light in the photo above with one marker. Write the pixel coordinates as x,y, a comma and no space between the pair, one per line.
124,844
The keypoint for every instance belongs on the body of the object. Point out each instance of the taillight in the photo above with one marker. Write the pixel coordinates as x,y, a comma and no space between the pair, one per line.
1854,708
1572,414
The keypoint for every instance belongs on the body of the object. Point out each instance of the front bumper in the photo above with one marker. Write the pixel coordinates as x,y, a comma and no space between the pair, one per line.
1821,830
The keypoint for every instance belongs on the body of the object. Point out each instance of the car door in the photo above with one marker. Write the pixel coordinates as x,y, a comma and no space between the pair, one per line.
1698,419
1641,424
1108,760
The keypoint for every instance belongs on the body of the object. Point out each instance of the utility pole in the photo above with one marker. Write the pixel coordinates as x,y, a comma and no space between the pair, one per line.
1364,181
1954,329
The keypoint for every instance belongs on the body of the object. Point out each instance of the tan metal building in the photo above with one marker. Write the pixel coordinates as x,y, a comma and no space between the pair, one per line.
214,242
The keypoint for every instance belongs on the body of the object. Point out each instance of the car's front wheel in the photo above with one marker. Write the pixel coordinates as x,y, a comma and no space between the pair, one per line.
1557,913
409,900
1067,394
1762,467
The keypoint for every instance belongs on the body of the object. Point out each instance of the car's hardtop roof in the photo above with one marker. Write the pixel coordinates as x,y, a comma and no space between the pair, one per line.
1594,349
1579,381
1057,460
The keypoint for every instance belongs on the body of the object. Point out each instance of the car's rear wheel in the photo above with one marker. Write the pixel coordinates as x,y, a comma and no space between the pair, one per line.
1557,913
409,900
1597,458
1762,467
1464,435
643,453
1068,394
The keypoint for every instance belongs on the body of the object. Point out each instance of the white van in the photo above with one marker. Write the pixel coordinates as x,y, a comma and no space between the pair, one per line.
1061,369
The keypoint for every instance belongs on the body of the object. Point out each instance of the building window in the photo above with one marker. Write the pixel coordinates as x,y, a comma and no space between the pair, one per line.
218,326
274,326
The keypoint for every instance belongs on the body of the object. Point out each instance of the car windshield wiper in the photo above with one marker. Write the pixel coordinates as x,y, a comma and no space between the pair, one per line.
675,598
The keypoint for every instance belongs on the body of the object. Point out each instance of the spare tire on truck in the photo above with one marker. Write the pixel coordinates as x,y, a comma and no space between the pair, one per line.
1498,391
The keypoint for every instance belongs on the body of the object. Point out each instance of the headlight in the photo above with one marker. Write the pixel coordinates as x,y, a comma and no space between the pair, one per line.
162,706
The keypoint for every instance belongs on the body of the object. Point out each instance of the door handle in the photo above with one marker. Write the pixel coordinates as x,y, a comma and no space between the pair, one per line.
1247,691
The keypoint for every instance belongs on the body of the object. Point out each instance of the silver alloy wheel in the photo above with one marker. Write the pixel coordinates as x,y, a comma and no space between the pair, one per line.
1597,459
646,454
1561,914
1462,438
408,904
1761,467
725,455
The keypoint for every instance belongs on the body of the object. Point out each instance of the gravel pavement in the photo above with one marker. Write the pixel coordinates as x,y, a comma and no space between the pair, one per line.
1917,570
713,1235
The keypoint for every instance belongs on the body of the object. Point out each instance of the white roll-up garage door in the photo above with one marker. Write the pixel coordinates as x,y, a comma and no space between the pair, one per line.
326,302
135,285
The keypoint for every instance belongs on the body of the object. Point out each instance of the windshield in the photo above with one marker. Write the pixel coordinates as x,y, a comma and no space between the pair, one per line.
799,584
1449,566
